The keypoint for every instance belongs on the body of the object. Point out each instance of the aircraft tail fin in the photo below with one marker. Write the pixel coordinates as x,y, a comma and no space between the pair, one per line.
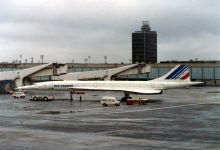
178,73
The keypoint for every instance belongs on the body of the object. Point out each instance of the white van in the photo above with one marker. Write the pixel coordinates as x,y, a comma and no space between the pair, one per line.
108,100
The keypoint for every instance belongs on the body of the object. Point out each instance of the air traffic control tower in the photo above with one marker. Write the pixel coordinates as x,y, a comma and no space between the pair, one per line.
144,45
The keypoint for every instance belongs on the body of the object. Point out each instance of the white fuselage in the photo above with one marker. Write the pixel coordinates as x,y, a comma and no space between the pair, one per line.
107,85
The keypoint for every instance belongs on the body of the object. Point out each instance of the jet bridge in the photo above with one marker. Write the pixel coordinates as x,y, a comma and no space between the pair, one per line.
25,76
109,74
54,71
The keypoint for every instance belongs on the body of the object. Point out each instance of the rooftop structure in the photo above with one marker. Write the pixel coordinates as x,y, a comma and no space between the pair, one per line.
144,45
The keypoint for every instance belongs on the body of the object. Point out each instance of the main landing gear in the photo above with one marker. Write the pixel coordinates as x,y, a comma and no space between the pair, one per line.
124,99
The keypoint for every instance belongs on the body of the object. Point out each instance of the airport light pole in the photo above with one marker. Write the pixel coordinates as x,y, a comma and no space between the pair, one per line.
32,60
105,57
20,58
85,60
42,58
89,57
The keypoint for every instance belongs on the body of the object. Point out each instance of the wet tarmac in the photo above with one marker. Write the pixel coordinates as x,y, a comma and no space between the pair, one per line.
179,119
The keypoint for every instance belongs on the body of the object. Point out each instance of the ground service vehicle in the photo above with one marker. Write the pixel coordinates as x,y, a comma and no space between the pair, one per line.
18,95
138,100
42,97
107,101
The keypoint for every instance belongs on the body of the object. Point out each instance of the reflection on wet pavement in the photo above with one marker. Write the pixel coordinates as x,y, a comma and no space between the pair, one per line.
178,119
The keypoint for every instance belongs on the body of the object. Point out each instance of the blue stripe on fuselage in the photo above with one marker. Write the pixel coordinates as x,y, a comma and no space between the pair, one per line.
175,72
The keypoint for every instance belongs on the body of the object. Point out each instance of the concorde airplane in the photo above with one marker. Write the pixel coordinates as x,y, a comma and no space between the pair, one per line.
178,77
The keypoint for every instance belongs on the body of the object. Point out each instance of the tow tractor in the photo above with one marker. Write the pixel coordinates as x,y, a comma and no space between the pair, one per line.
138,100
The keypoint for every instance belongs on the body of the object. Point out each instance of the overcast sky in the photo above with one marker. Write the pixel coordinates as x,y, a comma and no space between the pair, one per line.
63,30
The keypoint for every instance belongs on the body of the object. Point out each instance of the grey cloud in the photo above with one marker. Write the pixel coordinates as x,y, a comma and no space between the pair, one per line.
66,30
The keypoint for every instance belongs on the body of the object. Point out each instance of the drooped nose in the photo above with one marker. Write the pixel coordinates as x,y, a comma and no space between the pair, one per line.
22,88
28,87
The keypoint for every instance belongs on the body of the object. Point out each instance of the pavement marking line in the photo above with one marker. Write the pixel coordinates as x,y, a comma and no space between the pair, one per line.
88,109
120,112
79,110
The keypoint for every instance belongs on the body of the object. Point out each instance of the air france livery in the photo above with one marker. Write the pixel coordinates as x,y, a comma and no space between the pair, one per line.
178,77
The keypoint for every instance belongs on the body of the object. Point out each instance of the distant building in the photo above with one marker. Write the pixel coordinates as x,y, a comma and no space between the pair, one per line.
144,45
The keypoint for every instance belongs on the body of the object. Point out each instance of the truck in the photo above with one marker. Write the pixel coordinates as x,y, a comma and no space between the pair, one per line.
42,97
138,100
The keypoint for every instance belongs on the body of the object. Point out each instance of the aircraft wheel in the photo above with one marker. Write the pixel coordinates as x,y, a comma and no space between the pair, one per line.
104,104
124,99
34,98
144,103
45,98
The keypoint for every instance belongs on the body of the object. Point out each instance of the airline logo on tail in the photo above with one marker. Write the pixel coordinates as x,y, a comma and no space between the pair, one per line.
181,72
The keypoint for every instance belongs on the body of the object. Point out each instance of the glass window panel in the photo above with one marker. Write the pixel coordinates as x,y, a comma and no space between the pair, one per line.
163,71
101,68
71,69
18,68
13,69
142,76
138,40
124,77
132,76
38,78
45,78
217,73
78,69
86,69
42,78
94,69
154,73
196,73
208,73
6,69
137,35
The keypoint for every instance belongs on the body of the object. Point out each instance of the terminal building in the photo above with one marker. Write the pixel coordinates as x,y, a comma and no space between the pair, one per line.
144,45
205,71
